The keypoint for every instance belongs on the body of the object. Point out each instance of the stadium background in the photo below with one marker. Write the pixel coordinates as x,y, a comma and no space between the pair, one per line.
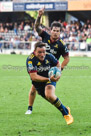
17,23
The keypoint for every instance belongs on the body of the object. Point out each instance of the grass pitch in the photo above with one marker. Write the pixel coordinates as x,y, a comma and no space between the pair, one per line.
74,90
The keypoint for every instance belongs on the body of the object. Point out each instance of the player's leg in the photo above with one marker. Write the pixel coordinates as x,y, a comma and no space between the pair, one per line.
53,99
50,95
32,95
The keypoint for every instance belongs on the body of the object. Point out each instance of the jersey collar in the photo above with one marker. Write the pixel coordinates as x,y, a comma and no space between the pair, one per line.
53,41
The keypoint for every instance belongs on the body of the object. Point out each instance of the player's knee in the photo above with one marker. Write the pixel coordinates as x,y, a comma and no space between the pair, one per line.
49,97
32,92
49,92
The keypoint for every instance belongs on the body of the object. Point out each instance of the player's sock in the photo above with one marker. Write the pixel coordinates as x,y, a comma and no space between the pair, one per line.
57,103
30,108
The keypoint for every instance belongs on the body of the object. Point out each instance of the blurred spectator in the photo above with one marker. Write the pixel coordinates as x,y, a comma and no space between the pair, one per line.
73,32
1,28
83,46
15,28
88,41
1,39
21,26
27,27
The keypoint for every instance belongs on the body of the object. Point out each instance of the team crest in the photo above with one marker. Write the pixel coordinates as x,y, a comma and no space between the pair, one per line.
47,61
38,64
56,46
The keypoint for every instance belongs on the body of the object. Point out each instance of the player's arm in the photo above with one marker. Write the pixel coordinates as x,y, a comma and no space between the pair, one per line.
58,65
65,61
65,55
37,78
37,21
32,70
54,61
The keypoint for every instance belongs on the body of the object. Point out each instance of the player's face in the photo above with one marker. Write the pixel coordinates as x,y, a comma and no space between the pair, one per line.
40,53
55,33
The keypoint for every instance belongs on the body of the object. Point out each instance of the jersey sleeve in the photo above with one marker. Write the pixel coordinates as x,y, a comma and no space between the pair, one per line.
31,67
44,34
64,49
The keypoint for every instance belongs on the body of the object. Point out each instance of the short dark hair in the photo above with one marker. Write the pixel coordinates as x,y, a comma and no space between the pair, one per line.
40,45
55,24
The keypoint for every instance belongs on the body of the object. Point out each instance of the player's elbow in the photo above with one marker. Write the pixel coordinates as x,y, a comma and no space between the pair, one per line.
67,58
33,78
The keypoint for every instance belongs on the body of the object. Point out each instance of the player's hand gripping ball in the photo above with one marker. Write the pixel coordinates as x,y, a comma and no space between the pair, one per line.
54,71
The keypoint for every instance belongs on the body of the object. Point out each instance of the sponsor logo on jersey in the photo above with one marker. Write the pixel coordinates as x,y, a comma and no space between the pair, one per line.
47,47
30,68
66,50
41,68
29,62
52,51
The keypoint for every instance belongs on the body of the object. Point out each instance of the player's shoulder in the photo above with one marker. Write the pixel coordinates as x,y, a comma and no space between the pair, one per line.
48,54
31,57
61,42
45,33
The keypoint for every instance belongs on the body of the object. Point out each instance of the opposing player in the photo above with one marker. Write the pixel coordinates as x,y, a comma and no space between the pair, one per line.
54,45
38,65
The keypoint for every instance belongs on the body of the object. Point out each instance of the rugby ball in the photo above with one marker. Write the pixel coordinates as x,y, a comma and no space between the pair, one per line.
54,71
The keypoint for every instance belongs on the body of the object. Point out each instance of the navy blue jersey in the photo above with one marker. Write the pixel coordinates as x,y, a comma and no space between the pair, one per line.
57,48
35,65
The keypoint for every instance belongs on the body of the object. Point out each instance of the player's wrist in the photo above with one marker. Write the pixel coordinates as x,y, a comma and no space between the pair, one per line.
62,69
49,79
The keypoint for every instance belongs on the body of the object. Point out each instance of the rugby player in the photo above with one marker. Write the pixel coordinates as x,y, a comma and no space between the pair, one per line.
54,45
38,65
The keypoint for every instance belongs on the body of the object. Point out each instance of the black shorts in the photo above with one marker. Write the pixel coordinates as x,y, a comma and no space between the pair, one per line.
41,89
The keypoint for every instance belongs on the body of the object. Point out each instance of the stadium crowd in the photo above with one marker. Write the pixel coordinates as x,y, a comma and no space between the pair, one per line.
15,34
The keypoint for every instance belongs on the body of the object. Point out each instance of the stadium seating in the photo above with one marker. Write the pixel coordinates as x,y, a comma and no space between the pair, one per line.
75,34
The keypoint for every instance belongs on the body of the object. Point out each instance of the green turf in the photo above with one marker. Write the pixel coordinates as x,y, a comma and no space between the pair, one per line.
74,90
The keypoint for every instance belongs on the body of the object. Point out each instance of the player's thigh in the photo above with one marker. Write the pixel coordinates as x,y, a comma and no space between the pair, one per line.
49,90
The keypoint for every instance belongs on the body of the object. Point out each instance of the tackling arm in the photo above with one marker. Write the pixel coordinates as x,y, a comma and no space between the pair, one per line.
65,62
58,65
